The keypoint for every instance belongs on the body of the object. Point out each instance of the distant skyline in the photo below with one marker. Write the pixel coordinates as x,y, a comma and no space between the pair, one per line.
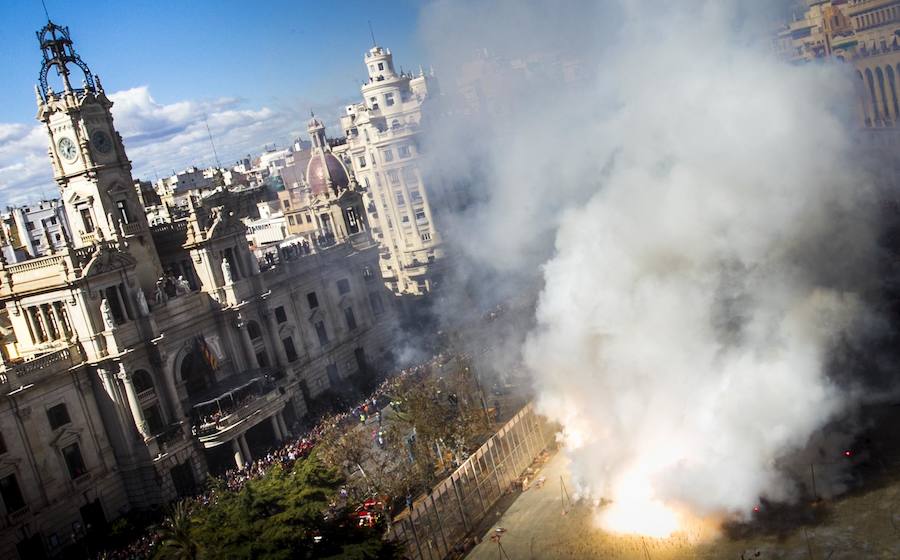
255,71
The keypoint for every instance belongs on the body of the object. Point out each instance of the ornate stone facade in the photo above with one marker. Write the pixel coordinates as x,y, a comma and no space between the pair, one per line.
135,364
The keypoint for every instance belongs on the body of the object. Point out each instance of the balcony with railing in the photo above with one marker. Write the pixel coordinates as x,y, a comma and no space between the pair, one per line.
42,366
236,404
53,270
134,228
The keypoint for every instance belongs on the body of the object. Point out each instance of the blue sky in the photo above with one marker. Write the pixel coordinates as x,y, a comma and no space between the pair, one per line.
256,68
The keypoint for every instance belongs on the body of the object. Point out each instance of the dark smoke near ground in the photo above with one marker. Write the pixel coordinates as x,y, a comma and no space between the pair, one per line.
695,233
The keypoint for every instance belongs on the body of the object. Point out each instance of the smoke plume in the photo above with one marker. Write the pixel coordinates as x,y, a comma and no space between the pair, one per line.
696,218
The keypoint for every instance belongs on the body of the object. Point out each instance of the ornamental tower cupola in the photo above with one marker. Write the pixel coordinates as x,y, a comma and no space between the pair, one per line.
88,156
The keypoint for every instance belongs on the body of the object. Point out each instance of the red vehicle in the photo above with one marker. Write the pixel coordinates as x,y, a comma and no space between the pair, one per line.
368,513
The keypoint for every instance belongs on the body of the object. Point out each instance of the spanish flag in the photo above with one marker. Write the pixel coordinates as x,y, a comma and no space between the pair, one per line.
207,354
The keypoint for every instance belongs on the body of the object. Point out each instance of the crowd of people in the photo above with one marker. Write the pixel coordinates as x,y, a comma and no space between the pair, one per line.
291,450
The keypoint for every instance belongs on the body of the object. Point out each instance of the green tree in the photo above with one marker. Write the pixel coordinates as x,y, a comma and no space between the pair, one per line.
176,538
281,516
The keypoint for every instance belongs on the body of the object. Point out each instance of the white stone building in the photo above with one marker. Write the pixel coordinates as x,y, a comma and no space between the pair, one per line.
142,357
383,148
32,230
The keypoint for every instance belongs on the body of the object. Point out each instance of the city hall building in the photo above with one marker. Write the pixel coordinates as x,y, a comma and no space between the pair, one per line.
139,359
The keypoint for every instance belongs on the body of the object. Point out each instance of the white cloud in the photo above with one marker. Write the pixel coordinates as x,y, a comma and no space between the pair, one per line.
159,138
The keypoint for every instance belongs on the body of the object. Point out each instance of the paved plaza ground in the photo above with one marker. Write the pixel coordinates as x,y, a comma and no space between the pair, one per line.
863,525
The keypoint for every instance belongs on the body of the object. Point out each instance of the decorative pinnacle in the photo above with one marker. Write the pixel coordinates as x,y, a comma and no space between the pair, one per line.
38,98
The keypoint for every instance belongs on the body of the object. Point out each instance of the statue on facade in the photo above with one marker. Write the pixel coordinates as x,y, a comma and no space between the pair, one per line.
182,286
160,294
226,271
143,308
106,313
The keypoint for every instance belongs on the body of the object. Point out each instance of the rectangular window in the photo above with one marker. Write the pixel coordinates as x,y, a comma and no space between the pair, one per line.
291,220
87,220
389,99
387,155
420,217
321,333
376,303
29,226
403,151
426,237
286,203
381,65
11,494
312,300
400,200
74,462
361,160
124,215
112,298
58,416
405,219
393,176
289,349
308,219
280,314
351,319
343,286
415,195
53,221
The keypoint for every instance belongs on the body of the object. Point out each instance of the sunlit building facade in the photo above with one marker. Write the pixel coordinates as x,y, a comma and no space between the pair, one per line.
138,359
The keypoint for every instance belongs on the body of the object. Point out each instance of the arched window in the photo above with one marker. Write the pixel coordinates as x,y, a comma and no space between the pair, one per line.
892,82
876,113
142,381
196,373
884,104
861,92
253,330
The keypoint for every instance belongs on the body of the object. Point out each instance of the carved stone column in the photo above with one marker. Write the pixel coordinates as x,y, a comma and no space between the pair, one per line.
52,330
133,403
58,318
282,423
276,427
280,353
252,363
238,454
40,328
245,448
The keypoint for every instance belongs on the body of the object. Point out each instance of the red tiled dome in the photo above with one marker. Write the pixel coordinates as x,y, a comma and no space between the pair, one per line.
325,171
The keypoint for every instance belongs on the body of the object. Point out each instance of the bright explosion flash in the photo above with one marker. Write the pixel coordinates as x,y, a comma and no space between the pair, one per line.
636,511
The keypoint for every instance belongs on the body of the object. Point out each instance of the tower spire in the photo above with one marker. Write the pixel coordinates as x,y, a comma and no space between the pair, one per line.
371,32
56,46
46,13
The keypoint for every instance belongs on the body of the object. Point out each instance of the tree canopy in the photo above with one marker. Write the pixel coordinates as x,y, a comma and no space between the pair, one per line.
279,516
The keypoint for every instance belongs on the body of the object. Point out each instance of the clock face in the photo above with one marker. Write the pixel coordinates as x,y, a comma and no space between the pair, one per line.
67,149
101,141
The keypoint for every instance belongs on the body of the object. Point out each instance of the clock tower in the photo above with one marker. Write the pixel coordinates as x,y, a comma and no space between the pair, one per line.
89,161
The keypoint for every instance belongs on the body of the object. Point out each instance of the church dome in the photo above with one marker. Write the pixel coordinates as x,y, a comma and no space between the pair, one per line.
325,171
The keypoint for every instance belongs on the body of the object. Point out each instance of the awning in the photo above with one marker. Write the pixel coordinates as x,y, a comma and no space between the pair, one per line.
225,394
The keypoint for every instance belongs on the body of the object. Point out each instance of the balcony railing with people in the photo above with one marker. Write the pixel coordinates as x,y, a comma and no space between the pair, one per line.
234,400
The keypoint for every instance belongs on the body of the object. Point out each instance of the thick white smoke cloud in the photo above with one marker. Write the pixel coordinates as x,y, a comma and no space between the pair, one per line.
702,226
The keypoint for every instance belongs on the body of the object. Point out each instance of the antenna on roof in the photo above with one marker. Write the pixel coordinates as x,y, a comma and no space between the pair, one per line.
372,33
46,13
209,132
